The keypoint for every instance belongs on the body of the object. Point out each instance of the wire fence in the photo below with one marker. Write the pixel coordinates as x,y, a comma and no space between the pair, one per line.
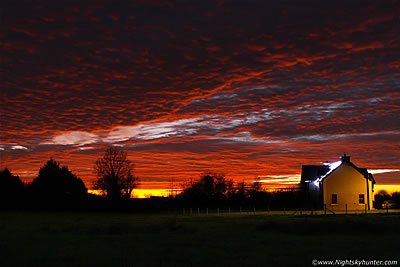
294,212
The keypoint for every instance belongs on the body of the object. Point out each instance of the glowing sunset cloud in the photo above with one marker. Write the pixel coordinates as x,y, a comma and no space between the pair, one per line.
249,90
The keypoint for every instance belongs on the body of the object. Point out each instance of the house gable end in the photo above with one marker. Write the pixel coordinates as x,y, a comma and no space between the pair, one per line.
363,171
341,168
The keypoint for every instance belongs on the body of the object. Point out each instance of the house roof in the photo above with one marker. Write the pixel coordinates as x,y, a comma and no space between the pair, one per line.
363,171
311,173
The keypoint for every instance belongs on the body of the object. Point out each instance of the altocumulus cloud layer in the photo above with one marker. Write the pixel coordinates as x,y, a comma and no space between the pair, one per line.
248,89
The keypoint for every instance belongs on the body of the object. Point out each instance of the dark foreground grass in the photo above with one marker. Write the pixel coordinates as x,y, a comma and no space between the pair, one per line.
106,239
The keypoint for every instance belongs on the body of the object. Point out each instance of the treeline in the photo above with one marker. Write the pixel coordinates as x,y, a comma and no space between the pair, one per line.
56,187
383,196
215,190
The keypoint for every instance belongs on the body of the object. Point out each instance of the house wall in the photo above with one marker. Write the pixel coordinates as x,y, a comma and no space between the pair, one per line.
371,195
347,183
312,196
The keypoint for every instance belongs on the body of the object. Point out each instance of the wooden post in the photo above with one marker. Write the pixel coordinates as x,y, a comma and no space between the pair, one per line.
254,208
325,209
198,211
365,209
346,208
229,210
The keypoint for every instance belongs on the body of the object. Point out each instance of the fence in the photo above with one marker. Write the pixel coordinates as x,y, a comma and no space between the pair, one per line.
253,211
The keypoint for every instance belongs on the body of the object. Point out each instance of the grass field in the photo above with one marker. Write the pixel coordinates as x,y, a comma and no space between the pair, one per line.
110,239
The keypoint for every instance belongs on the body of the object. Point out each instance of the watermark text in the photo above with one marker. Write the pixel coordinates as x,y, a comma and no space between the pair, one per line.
354,262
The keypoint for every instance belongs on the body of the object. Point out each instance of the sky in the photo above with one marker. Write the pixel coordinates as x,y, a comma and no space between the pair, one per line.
244,88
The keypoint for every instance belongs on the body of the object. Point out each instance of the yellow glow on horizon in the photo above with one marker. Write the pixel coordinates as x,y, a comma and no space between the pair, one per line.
94,192
146,193
143,193
390,188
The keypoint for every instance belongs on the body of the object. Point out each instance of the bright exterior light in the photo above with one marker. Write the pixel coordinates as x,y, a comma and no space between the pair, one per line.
332,166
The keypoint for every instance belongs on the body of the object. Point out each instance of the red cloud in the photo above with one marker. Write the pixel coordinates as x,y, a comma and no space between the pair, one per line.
248,92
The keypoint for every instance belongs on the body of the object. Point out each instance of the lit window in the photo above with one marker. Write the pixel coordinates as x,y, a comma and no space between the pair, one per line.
334,199
361,199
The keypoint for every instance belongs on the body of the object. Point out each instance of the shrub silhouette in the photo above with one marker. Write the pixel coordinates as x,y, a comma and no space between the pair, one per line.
11,188
380,197
211,188
55,181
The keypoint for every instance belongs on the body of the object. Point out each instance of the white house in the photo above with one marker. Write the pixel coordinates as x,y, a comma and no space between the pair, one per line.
338,186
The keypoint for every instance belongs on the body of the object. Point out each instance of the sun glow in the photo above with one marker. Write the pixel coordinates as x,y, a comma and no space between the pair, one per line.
143,193
390,188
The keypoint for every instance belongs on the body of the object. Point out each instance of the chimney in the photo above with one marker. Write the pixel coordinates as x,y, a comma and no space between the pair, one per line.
345,158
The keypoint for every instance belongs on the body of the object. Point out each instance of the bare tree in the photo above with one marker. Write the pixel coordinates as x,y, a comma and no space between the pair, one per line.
115,174
230,188
256,186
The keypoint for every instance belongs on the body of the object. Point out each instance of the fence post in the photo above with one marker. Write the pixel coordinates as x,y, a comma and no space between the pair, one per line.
346,208
229,210
325,209
198,211
365,209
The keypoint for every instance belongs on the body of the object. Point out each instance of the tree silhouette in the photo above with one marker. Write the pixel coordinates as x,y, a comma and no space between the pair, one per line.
380,197
240,193
257,195
396,198
211,187
256,186
115,174
11,187
56,181
230,190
